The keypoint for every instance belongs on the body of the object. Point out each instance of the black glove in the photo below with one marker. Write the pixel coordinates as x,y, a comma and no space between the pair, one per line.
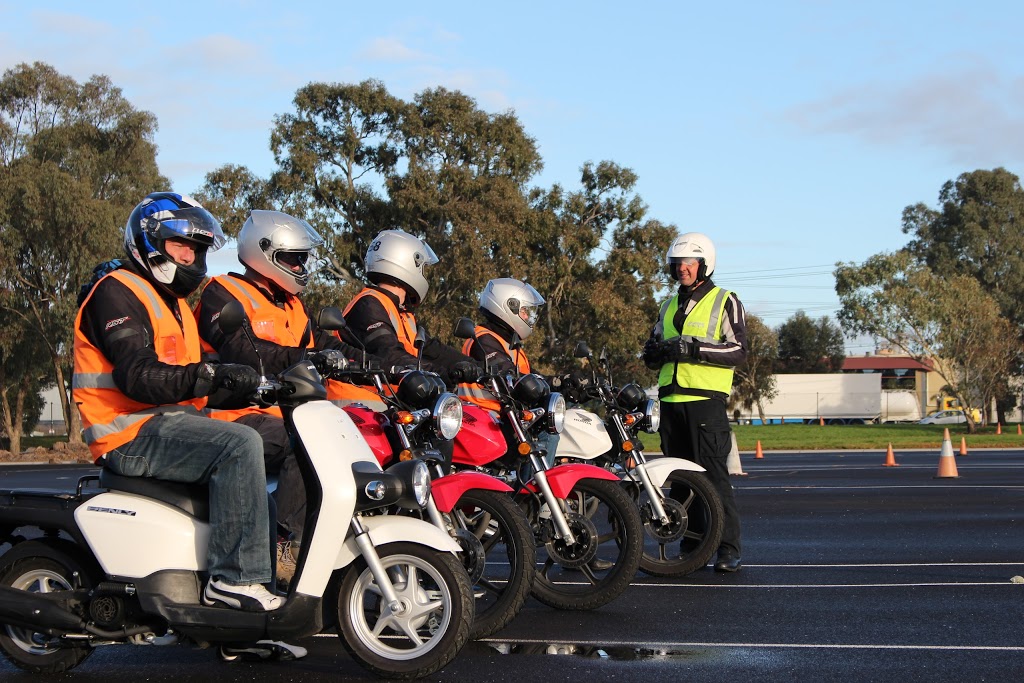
652,354
235,377
679,349
573,387
464,371
328,361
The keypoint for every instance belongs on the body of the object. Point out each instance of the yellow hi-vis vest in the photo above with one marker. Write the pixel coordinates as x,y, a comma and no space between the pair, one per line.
683,381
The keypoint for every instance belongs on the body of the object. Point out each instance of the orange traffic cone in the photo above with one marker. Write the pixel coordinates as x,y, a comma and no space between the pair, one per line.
821,422
758,453
963,445
1018,429
947,463
999,428
890,458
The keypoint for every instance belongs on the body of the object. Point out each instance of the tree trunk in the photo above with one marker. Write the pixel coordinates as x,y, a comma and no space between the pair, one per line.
72,420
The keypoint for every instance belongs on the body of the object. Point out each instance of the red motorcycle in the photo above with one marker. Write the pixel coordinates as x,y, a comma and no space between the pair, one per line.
477,510
588,532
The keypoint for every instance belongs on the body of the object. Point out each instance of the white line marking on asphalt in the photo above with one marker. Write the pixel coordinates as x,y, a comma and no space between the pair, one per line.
647,645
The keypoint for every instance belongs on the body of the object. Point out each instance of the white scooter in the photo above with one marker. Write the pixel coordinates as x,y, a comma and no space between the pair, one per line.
124,562
680,509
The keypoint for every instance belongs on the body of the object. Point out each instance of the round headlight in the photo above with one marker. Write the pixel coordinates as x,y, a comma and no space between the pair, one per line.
447,416
421,483
556,413
652,411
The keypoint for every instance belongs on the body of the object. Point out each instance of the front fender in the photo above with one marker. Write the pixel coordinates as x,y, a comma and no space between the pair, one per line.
659,469
563,478
448,489
385,529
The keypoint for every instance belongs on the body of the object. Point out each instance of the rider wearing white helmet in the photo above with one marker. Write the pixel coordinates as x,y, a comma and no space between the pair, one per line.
382,316
699,339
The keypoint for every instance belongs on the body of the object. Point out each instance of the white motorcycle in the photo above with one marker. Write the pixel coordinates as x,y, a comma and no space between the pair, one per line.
124,562
681,511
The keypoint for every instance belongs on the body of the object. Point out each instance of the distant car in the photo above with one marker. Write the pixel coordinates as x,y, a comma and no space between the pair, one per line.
944,417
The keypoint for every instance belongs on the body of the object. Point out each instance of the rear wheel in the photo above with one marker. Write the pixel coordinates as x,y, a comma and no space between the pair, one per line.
502,584
431,623
39,567
694,529
601,563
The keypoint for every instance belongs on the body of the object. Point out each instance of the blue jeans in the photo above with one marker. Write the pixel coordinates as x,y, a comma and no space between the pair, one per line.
229,458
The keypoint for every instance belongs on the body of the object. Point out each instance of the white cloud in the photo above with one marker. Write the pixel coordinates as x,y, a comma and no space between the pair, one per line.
390,49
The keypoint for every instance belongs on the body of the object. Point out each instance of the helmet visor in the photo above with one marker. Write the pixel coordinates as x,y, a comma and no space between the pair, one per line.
528,314
424,256
194,224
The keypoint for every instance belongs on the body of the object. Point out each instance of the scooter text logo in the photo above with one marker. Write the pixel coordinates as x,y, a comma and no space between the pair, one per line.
111,511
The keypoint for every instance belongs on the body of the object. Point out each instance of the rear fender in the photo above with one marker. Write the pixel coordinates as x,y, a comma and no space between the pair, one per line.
448,489
562,478
659,469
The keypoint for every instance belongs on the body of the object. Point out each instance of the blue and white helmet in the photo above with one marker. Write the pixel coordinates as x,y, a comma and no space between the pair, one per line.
159,217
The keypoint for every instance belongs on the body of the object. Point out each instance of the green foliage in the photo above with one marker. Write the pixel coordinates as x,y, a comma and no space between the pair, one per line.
809,346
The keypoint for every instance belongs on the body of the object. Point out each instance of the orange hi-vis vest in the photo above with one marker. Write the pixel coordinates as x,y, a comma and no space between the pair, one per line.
403,322
111,419
284,326
476,393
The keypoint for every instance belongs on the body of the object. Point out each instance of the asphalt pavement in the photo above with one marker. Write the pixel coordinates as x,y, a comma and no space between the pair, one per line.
852,571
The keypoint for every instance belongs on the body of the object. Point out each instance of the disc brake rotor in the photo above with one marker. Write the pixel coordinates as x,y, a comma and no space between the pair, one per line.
473,557
678,521
575,555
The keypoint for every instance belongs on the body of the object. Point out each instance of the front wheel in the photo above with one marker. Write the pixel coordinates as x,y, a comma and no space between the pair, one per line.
601,563
40,567
504,578
694,529
431,622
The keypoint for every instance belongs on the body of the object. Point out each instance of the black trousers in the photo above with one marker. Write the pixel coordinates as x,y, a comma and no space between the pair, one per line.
699,431
279,459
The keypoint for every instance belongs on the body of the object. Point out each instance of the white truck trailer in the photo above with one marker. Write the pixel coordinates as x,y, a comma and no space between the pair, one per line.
837,398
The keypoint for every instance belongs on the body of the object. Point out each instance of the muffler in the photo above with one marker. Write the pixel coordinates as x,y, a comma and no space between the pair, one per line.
38,611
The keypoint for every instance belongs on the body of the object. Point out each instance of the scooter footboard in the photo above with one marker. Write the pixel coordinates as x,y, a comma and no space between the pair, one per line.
392,529
659,469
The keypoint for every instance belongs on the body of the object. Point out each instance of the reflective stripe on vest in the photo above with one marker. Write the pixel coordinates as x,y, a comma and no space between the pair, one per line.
691,380
476,393
402,322
109,418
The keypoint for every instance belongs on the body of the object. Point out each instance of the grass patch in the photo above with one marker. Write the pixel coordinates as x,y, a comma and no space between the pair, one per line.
800,437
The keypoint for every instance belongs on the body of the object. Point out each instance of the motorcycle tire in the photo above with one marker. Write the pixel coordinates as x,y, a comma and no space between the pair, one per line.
43,567
695,539
619,542
439,609
504,531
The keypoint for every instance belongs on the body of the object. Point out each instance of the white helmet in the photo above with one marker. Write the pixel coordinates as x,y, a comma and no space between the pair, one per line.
277,246
508,299
695,245
398,257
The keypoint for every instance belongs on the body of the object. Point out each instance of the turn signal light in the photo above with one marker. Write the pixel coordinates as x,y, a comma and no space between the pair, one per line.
524,449
627,446
405,455
527,416
404,417
630,420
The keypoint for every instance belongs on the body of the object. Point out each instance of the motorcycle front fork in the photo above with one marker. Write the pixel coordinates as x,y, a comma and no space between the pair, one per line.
555,505
369,552
654,493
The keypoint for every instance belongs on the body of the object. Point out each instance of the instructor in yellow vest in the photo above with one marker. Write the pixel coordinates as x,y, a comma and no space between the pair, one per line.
699,339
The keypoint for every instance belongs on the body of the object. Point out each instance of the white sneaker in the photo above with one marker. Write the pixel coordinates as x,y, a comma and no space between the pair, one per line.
253,597
263,649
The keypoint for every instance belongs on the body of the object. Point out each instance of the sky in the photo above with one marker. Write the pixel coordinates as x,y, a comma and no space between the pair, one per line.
793,133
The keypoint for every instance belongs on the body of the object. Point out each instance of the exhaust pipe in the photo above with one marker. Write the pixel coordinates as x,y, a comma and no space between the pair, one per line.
38,611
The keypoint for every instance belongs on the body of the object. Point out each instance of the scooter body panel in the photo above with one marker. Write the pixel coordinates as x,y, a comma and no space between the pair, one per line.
480,441
562,478
132,536
659,469
395,528
448,489
583,436
333,443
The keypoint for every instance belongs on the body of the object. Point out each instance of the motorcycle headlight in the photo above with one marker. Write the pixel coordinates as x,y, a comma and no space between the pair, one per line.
447,416
414,486
652,415
556,413
421,483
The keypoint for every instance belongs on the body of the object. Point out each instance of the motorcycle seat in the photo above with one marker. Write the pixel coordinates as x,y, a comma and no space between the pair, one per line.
193,499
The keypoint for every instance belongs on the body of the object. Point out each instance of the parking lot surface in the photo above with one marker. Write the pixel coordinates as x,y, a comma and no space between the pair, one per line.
852,571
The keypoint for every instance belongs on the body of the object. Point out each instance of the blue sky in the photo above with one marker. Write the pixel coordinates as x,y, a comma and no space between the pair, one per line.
793,133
